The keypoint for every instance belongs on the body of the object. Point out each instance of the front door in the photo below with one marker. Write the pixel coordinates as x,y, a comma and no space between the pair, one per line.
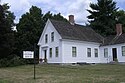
114,52
45,55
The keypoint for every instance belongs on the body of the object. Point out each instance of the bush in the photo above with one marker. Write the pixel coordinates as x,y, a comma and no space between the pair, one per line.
3,62
15,61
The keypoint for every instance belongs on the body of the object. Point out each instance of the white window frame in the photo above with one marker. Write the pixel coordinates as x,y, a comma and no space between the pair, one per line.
123,50
74,51
96,52
57,51
88,52
105,52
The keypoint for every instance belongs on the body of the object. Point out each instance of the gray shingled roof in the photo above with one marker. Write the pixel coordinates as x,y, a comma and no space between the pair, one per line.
76,32
113,39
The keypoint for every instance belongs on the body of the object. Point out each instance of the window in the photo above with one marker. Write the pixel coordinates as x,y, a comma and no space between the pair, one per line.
46,38
73,51
89,52
57,51
96,52
105,52
50,52
123,50
52,36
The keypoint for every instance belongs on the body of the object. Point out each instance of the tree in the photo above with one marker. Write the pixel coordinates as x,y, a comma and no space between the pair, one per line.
58,16
121,18
6,33
30,28
102,16
46,16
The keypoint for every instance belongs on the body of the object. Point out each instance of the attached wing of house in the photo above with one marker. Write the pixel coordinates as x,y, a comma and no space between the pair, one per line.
114,48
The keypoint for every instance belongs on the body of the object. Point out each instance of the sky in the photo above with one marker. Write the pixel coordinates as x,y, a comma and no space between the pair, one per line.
65,7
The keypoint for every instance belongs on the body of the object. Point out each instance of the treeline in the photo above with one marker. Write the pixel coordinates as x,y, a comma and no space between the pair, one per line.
29,29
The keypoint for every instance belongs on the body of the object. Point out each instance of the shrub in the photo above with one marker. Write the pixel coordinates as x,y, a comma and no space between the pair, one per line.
3,62
15,61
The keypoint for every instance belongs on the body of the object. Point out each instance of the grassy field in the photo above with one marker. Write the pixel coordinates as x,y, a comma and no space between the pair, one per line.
64,74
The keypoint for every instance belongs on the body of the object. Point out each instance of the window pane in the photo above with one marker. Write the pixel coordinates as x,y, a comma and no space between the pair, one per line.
46,38
56,51
123,50
123,53
52,36
96,52
105,52
73,51
89,52
50,52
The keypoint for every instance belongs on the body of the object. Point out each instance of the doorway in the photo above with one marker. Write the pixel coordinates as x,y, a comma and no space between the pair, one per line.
114,52
45,56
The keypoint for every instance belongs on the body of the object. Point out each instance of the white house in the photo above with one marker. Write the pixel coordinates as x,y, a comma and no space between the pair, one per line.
67,42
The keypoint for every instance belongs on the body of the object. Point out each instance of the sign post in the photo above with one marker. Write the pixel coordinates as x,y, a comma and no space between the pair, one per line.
34,61
31,55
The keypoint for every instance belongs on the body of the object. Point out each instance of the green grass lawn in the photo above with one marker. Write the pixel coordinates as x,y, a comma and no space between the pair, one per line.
64,74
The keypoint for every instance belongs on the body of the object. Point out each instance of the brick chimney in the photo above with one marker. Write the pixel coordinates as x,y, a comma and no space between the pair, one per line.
71,19
119,29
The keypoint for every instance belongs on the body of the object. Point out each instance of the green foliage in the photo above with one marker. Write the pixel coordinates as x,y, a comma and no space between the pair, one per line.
121,18
14,61
30,28
102,16
46,16
49,15
6,33
7,38
59,17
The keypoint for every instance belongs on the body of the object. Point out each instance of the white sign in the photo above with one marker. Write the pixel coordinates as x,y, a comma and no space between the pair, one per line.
28,54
